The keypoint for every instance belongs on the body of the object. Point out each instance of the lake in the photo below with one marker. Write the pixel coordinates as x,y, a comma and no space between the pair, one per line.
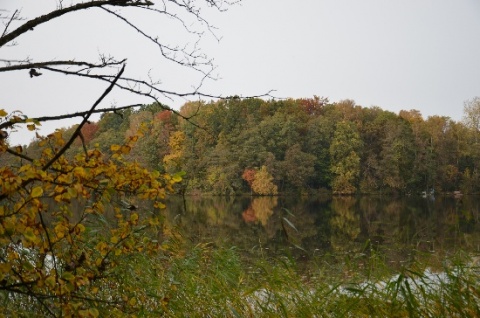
398,230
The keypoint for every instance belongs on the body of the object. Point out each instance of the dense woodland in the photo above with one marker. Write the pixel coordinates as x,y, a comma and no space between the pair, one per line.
237,146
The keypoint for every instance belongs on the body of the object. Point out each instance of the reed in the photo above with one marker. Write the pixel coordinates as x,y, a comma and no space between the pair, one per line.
204,280
218,282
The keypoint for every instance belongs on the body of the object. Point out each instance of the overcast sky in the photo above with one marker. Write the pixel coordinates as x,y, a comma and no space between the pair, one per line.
396,54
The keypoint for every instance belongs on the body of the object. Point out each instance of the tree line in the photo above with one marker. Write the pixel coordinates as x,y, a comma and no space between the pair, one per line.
267,147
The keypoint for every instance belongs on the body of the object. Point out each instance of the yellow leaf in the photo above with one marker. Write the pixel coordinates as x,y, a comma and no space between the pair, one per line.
30,235
50,281
72,192
132,301
4,269
154,221
159,205
68,276
9,224
114,148
59,189
134,217
79,172
31,127
60,230
176,178
114,239
134,138
93,312
3,113
37,191
102,247
79,228
126,149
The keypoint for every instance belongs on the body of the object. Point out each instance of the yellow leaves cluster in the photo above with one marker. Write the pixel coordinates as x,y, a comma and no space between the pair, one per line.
9,181
56,227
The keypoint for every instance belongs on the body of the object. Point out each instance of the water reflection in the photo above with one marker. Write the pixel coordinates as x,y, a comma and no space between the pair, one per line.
345,223
260,210
400,229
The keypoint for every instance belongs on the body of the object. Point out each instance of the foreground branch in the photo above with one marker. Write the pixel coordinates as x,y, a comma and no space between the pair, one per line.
84,121
30,25
9,124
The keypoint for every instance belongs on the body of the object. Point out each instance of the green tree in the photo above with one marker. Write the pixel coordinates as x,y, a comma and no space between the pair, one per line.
396,156
319,133
298,166
345,162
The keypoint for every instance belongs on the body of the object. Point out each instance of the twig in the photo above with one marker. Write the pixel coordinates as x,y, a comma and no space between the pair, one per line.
8,23
29,25
84,121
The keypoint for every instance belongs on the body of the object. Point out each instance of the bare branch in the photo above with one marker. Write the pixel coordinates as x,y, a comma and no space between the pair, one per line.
29,25
9,124
84,121
60,63
128,83
190,59
13,17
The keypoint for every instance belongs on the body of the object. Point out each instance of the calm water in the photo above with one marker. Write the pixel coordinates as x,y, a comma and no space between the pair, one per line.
399,229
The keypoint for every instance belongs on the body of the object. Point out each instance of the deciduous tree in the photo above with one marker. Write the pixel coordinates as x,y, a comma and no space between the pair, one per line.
70,225
345,161
263,183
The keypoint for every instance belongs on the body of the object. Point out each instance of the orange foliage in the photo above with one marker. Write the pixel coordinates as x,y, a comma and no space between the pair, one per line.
88,132
164,116
249,176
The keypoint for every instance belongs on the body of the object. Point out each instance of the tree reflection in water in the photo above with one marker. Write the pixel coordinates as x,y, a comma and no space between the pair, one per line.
260,210
399,230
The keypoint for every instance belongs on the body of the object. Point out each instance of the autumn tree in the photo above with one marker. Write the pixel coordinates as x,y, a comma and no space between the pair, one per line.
173,160
263,183
471,115
249,176
345,160
298,166
471,119
71,228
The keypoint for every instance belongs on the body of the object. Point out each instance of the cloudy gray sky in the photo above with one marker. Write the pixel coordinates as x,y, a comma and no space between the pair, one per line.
408,54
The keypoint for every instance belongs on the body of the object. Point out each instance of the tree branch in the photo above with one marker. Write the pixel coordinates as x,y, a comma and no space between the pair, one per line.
84,121
149,86
29,25
75,134
14,15
54,63
190,59
9,124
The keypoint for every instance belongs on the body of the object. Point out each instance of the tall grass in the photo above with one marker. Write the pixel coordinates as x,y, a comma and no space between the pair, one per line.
204,280
207,281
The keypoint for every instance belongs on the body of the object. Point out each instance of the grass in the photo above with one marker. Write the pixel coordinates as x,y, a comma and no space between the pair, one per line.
211,281
204,280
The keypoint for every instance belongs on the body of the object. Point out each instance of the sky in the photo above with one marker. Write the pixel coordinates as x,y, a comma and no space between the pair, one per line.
409,54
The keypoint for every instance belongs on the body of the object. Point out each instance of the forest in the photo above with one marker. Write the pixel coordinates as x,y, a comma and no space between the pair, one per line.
294,146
